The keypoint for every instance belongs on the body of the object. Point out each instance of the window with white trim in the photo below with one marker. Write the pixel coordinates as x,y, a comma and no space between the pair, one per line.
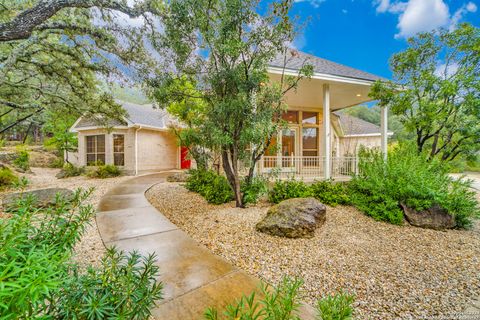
95,149
119,149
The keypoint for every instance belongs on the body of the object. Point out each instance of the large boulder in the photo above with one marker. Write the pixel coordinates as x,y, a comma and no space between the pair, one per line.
44,197
294,218
435,218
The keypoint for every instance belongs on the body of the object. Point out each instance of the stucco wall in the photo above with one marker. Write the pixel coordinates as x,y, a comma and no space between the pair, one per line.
79,158
351,145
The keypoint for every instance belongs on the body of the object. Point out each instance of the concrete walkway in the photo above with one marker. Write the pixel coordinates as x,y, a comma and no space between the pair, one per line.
193,277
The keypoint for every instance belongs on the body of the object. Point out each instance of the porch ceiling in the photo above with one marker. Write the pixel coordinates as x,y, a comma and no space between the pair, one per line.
309,94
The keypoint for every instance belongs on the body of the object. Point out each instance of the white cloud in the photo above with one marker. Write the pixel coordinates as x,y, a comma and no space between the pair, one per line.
471,7
345,11
422,15
382,5
314,3
458,15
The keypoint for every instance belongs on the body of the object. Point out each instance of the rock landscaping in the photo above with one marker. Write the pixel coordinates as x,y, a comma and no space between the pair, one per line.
43,197
435,218
294,218
395,272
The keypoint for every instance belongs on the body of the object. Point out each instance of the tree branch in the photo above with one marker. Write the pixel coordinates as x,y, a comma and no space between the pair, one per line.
22,26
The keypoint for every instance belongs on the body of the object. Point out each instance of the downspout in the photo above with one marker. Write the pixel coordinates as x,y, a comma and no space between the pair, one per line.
137,128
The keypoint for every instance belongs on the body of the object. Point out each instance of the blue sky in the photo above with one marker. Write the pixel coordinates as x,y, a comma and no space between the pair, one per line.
364,33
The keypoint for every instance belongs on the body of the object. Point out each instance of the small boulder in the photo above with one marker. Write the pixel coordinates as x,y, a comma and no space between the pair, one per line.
435,218
178,177
44,197
294,218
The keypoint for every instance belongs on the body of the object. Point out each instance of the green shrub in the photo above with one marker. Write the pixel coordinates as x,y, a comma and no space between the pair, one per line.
409,178
7,178
212,186
287,189
69,170
282,302
57,163
254,190
104,171
22,159
336,307
330,193
41,281
118,289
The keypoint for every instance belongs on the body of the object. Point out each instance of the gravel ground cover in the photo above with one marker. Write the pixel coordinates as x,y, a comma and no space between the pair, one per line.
396,272
90,249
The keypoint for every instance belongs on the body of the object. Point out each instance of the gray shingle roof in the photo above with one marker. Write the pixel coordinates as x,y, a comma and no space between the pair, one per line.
146,114
356,126
321,65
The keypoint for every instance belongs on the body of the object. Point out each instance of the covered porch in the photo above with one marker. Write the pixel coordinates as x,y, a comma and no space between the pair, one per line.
310,147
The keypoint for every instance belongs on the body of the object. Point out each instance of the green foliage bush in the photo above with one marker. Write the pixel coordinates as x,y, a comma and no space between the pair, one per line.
327,192
7,178
409,178
22,160
212,186
254,190
118,289
336,307
40,280
70,170
287,189
282,302
104,171
56,163
330,193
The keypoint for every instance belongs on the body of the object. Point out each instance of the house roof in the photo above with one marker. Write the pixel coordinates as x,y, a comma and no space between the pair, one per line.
324,66
146,114
356,126
137,114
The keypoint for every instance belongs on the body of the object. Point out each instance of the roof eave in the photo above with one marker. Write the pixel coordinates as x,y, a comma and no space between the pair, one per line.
321,76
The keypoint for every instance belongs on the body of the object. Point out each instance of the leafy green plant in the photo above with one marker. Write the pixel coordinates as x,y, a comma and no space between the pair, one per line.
282,302
7,178
287,189
123,287
212,186
412,179
70,170
104,171
56,163
336,307
40,280
22,158
252,191
330,193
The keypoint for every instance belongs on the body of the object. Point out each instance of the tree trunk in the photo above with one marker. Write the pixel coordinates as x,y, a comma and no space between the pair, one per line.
232,177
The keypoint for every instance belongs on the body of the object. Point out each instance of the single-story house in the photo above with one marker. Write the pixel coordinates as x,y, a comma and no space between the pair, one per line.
143,141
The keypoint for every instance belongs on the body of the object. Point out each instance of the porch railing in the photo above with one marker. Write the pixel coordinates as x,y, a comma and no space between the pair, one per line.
307,168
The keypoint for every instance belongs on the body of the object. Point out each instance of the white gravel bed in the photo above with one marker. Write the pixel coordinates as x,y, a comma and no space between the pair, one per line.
396,272
90,249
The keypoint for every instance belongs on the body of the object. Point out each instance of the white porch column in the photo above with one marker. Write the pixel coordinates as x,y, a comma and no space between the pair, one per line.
384,130
326,138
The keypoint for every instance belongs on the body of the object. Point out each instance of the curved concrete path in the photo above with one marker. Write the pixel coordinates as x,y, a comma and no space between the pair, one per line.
193,277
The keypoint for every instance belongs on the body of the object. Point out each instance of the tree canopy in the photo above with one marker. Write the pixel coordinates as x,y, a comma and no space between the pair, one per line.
52,54
220,52
436,91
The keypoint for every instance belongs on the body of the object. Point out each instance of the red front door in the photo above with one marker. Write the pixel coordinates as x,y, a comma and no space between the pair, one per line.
185,163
